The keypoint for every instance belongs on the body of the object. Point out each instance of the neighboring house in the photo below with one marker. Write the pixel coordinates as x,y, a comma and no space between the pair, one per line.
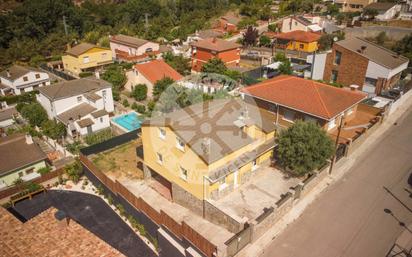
37,236
297,40
7,117
353,5
204,50
20,79
86,57
149,73
229,22
204,34
359,62
21,158
386,11
302,23
206,150
208,83
83,105
291,98
132,49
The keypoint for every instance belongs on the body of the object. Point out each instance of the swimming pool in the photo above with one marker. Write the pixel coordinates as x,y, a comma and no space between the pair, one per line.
129,121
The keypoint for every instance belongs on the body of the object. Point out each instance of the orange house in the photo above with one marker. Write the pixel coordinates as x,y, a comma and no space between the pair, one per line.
204,50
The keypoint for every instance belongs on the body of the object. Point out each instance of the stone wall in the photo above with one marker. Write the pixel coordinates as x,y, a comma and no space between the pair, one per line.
184,198
395,33
220,218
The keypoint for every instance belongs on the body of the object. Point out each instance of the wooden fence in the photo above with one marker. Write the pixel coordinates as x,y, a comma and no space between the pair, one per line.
15,189
181,230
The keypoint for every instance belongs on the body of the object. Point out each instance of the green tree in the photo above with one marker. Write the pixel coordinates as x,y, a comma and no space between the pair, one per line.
265,41
139,92
371,13
381,38
53,129
178,62
34,113
250,36
404,47
161,85
304,147
280,57
116,76
285,68
74,171
214,65
125,103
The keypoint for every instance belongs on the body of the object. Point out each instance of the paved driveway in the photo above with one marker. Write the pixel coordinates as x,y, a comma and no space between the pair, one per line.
93,214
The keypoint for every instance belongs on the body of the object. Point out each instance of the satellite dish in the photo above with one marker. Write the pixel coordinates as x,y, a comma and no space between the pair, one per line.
335,39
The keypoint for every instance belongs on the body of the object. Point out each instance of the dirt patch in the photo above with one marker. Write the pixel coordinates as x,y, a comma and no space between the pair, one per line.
120,162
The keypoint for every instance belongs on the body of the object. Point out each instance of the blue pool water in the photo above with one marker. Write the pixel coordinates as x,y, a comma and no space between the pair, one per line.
130,121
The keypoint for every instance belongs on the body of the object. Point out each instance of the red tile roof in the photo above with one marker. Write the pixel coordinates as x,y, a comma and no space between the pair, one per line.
307,96
156,70
216,44
299,35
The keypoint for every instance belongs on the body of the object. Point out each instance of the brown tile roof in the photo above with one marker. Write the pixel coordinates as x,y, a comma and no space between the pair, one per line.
44,235
156,70
85,122
15,153
82,48
8,113
231,18
128,40
215,44
374,52
16,71
99,113
381,7
306,96
223,118
76,112
73,87
298,35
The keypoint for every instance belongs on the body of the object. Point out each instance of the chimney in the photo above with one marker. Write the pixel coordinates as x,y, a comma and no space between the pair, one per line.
97,74
29,139
62,218
363,48
8,73
354,87
214,40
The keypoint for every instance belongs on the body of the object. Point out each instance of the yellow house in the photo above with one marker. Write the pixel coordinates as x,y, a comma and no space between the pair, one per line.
297,40
208,149
86,57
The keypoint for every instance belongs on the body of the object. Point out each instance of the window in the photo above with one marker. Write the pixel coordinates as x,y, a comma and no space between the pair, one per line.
310,119
301,46
338,56
370,81
180,144
86,59
20,174
254,165
289,115
183,173
31,170
79,99
104,94
334,76
104,55
101,119
149,49
159,158
25,78
162,133
350,111
37,75
332,124
222,183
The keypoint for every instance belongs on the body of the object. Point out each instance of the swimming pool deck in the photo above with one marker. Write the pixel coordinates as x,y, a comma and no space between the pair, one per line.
127,122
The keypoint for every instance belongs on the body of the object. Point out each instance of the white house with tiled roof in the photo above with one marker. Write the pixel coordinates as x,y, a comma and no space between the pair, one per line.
20,79
83,105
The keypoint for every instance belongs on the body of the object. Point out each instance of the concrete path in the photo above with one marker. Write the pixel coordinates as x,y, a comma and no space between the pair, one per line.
348,217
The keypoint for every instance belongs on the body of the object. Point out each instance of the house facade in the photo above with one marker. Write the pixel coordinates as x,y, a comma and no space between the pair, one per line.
20,158
20,79
86,57
7,116
291,98
149,73
302,23
131,49
204,50
297,40
207,156
83,105
353,5
228,23
386,11
377,69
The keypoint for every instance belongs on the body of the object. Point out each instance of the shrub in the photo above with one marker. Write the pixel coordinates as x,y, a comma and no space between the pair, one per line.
139,92
110,199
74,147
99,137
74,171
100,190
34,113
126,103
139,108
53,129
44,170
85,74
121,209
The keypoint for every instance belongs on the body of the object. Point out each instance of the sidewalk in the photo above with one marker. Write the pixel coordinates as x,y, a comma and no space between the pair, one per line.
341,168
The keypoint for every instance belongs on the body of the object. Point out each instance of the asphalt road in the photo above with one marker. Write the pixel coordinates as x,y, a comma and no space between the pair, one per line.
348,218
93,214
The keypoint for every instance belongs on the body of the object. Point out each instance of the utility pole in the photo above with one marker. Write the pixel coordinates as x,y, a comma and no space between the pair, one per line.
332,162
65,25
146,20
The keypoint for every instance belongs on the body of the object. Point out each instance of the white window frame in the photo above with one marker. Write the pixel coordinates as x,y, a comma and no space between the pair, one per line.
159,158
222,183
332,124
86,59
183,173
180,144
254,165
286,118
162,133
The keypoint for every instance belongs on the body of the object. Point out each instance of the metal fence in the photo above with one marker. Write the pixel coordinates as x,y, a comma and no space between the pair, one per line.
60,74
